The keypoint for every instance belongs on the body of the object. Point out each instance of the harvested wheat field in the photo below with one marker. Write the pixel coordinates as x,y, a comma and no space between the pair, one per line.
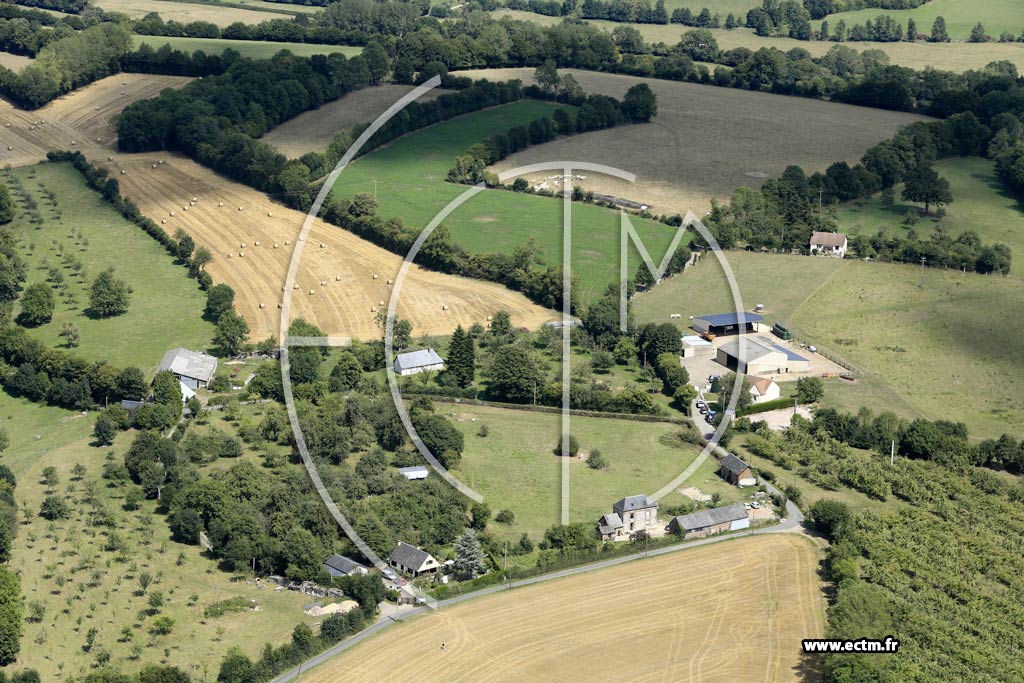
342,279
733,611
14,62
706,141
314,130
187,12
80,120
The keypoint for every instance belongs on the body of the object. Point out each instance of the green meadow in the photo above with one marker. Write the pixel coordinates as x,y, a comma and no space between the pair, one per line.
960,15
408,179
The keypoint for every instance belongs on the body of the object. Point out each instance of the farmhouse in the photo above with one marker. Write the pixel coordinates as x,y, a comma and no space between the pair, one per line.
638,513
415,362
411,560
721,324
339,565
415,472
192,368
828,244
694,345
763,389
760,359
609,526
707,522
735,471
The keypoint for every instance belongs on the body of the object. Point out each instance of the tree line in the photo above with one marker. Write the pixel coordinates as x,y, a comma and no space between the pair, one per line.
68,6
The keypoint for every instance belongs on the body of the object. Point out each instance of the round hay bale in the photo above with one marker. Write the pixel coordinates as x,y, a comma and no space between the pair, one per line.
445,307
239,208
31,127
110,158
124,82
373,309
97,107
279,305
389,281
195,199
220,203
163,221
287,241
243,245
192,203
124,172
73,143
295,286
275,245
263,305
488,318
323,246
375,276
172,213
184,208
241,254
160,162
154,165
270,214
312,291
380,303
337,278
256,243
99,139
230,254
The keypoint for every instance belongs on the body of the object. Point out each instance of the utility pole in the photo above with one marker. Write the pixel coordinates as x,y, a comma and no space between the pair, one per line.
923,261
892,453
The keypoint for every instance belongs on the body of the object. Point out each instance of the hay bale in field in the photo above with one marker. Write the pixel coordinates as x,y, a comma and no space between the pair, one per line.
380,303
172,213
295,286
242,245
275,245
373,309
323,283
445,307
163,221
287,241
97,107
270,214
99,139
73,143
389,281
241,253
323,246
110,158
160,162
256,243
375,276
312,291
154,165
240,208
337,278
184,208
195,199
220,203
262,305
124,172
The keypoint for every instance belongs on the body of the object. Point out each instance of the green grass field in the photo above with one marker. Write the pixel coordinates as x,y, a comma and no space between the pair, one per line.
980,203
36,429
960,15
257,49
81,584
515,467
408,175
953,349
166,306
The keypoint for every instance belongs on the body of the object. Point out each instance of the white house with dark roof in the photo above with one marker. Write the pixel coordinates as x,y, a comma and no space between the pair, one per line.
829,244
192,368
707,522
415,362
409,559
339,565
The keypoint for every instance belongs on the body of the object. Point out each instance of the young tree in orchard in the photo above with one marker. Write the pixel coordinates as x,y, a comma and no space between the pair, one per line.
109,295
71,335
925,185
232,331
37,304
6,206
469,556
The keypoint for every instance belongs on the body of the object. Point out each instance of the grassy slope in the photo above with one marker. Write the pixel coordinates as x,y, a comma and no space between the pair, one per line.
961,350
960,15
256,49
75,550
514,466
410,172
166,305
980,203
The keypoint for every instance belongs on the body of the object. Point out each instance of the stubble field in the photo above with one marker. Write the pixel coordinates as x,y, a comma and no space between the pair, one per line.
314,130
346,264
187,12
706,141
732,611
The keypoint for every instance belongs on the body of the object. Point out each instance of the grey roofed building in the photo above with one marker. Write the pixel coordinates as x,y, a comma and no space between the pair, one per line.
418,361
609,524
339,565
411,559
630,503
192,368
752,352
414,472
734,465
727,319
713,517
